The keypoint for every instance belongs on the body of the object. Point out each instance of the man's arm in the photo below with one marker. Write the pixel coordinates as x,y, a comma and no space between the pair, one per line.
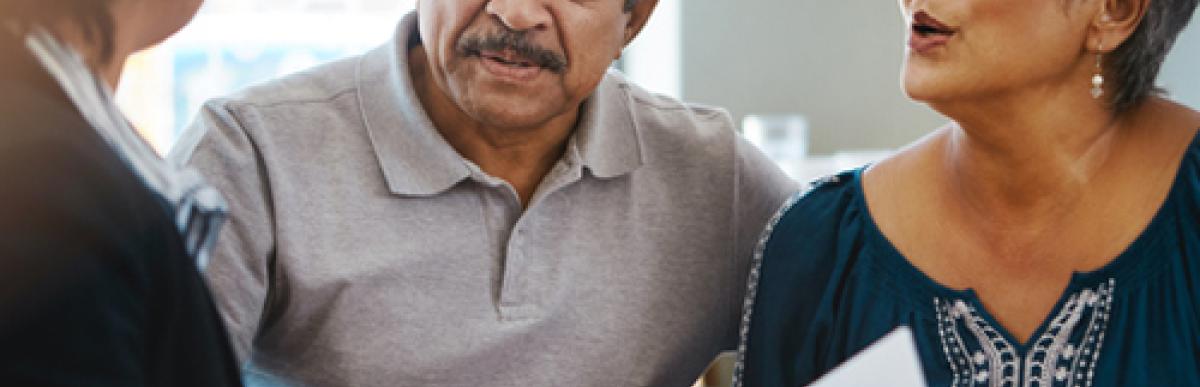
240,269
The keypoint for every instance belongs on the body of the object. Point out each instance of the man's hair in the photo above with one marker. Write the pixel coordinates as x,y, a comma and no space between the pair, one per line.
1136,63
93,18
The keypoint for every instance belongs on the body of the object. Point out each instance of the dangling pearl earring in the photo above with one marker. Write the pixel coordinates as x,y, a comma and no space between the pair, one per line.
1098,79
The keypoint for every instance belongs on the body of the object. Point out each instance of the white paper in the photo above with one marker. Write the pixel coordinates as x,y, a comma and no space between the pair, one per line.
891,361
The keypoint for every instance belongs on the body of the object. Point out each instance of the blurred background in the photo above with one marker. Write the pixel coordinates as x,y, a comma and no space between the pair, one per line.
807,80
815,84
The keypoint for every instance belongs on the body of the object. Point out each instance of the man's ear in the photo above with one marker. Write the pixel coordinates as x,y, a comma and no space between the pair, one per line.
1116,22
638,17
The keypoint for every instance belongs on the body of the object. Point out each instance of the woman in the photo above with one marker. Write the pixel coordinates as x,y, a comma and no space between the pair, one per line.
99,237
1049,236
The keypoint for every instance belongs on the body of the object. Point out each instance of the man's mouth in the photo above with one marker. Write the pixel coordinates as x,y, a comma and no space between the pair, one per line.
510,66
507,58
512,55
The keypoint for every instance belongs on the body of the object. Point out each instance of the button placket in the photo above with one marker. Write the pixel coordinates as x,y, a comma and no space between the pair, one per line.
522,271
511,292
514,263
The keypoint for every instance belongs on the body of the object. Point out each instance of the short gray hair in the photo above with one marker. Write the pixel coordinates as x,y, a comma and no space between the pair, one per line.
1136,63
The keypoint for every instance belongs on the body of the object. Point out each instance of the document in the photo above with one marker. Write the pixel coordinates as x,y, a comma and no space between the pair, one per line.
891,361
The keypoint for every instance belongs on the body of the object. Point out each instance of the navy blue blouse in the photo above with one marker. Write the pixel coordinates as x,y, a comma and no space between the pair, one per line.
829,283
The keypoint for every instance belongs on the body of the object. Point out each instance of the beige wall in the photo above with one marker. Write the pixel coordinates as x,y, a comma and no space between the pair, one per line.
835,61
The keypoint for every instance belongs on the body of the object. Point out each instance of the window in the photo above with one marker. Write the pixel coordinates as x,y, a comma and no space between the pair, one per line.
235,43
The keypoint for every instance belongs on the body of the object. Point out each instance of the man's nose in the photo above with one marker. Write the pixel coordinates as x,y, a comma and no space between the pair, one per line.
521,15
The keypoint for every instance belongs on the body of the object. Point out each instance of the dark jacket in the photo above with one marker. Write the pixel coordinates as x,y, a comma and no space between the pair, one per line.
95,286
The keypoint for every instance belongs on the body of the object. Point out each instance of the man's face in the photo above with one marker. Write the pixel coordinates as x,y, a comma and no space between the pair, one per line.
520,63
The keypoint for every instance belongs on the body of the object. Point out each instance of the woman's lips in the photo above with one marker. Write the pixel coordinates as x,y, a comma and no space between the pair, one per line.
923,44
507,65
928,33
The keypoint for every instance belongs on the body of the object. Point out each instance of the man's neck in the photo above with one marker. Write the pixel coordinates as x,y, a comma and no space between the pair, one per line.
520,156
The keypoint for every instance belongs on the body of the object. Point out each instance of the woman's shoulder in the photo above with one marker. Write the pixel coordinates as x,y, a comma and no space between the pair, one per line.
1173,124
823,204
1189,178
802,238
835,208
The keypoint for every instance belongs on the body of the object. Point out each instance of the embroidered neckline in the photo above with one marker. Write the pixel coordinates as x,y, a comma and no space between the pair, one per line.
1065,354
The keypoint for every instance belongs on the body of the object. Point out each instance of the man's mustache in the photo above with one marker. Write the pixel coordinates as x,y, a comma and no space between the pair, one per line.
517,42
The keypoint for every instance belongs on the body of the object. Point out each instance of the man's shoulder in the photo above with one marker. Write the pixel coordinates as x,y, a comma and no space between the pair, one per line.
308,96
666,114
673,133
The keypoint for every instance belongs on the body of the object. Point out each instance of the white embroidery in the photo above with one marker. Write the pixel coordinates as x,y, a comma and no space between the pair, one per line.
1061,356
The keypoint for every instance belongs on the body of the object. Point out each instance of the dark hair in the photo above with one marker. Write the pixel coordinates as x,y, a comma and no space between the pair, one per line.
629,5
93,17
1136,63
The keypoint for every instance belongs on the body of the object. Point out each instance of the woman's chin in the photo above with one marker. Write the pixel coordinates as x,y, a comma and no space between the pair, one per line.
921,93
930,90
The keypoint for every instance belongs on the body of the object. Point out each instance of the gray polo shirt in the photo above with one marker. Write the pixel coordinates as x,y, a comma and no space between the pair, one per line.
362,250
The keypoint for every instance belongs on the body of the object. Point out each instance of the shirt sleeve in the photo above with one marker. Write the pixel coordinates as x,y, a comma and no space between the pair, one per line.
242,261
761,189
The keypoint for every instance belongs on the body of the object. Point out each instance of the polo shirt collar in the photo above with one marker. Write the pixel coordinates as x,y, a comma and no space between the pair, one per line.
608,137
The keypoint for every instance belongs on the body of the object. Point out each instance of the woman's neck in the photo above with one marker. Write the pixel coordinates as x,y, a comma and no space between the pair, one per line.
1026,158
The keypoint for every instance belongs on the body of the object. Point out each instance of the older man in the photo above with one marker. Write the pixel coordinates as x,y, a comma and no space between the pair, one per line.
481,203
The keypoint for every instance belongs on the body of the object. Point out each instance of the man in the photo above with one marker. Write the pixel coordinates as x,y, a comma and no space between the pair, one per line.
481,203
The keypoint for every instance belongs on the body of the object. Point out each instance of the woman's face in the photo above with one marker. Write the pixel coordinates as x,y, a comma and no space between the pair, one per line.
964,50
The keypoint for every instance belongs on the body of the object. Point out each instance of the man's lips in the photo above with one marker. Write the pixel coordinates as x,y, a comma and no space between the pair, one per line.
508,65
507,57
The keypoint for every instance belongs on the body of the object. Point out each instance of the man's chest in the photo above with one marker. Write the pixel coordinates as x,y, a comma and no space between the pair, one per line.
449,282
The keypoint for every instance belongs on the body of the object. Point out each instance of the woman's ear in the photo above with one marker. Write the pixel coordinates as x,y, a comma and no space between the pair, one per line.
1116,22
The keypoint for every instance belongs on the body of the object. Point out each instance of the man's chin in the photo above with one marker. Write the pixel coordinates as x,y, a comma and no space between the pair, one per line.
508,120
509,106
513,112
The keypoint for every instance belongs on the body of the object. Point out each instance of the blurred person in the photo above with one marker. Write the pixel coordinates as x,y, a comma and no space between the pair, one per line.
99,237
482,202
1048,236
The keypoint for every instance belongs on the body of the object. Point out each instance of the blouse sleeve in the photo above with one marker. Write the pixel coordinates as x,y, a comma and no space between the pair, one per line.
781,330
